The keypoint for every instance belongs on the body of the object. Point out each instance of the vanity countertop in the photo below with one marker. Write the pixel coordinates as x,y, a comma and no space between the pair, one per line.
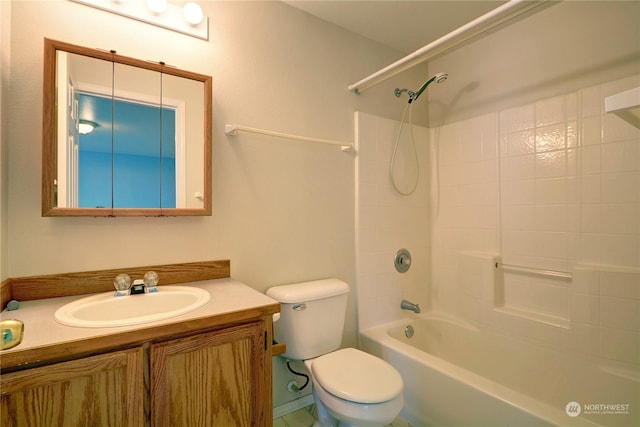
46,340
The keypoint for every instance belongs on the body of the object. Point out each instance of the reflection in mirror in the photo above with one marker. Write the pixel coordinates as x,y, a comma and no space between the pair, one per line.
133,162
131,137
71,70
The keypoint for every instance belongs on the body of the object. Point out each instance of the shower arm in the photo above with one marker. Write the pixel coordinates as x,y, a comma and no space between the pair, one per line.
399,92
412,94
438,78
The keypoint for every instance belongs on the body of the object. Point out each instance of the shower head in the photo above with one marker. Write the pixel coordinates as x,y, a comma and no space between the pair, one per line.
438,78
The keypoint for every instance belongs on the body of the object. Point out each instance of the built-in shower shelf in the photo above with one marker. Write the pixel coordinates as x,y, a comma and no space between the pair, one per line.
625,105
533,293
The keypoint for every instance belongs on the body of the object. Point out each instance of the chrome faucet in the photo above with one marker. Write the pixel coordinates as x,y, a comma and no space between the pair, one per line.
146,285
406,305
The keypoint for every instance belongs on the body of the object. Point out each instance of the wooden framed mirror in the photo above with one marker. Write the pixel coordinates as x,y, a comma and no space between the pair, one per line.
122,136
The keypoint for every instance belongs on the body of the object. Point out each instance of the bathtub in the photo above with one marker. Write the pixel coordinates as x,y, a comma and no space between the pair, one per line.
456,375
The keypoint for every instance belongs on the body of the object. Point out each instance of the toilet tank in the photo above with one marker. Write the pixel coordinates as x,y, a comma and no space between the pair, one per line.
311,317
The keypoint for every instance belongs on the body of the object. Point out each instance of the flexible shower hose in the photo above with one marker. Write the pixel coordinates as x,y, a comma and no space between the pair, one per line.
409,107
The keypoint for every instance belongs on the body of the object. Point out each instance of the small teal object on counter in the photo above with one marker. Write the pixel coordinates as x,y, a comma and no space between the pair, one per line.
13,305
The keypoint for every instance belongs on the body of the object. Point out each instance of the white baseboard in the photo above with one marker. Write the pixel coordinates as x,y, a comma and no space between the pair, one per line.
292,406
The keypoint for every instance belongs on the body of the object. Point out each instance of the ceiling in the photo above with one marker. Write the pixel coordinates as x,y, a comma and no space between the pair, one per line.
403,25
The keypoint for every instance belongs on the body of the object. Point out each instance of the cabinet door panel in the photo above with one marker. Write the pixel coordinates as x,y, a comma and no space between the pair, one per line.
99,390
212,379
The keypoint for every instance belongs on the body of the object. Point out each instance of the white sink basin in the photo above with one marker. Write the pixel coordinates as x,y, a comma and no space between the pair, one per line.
106,310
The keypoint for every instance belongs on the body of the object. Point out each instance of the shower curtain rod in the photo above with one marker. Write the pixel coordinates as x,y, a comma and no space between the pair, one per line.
490,20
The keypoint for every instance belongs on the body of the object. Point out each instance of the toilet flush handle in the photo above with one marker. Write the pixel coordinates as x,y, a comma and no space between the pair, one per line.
299,307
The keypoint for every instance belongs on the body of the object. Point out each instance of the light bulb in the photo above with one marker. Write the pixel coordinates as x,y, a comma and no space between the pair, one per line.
192,13
157,6
85,127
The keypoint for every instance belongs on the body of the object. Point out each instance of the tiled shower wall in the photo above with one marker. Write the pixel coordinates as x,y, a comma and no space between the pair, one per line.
548,186
552,186
387,221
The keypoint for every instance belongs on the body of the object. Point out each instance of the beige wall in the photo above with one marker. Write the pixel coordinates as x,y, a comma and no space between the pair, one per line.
283,211
5,37
565,47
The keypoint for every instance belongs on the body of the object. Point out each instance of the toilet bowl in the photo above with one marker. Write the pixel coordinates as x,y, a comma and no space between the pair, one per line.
347,414
350,387
354,388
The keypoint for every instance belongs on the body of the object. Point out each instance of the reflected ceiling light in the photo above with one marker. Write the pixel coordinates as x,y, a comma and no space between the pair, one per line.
86,126
192,13
157,6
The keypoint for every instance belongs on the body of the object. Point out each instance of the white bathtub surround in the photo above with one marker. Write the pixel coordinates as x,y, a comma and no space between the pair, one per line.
563,196
605,310
564,189
387,221
594,315
551,185
552,189
478,284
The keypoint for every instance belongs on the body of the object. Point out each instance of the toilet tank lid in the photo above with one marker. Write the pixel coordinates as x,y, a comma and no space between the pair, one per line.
308,291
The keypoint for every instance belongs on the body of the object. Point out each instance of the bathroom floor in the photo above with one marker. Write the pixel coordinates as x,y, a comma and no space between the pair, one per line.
305,417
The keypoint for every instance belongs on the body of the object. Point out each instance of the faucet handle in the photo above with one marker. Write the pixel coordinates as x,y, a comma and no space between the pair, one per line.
122,283
151,280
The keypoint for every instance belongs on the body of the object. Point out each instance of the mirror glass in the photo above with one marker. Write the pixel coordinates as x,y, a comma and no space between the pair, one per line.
123,137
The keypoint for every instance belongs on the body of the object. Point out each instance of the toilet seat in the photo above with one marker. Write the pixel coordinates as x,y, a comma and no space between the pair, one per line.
356,376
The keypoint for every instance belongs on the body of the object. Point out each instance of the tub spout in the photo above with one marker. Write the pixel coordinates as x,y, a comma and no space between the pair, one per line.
406,305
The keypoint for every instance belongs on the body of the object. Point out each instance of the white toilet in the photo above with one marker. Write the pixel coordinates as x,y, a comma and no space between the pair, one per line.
350,387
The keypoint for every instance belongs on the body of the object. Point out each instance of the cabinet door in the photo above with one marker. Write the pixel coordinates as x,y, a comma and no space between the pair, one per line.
219,378
104,390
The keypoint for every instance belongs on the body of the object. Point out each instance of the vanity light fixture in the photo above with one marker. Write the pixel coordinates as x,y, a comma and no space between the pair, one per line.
86,126
188,20
193,13
157,6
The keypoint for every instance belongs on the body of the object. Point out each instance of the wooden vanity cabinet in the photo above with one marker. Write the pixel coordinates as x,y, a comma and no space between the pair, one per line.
220,378
103,390
209,368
